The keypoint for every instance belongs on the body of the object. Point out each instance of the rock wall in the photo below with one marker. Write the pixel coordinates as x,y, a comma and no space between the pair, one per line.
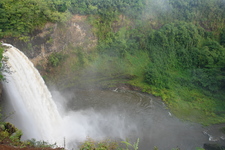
0,91
55,37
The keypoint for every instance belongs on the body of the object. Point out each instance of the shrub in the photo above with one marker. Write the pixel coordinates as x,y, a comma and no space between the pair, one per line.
39,144
55,59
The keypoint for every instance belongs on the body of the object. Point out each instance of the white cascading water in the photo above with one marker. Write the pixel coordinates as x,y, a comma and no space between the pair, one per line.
39,117
30,97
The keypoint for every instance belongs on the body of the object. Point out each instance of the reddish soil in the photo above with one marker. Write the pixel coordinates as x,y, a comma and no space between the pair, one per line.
8,147
7,144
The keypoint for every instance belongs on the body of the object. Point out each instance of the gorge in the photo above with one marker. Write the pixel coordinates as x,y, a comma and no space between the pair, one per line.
145,70
99,115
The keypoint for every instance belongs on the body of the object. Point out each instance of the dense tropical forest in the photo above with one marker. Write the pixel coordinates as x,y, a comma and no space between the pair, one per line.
174,49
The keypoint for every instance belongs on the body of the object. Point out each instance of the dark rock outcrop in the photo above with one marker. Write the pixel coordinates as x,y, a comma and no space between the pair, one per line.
213,147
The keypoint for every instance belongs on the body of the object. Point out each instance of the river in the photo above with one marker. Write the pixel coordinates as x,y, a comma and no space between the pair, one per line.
128,114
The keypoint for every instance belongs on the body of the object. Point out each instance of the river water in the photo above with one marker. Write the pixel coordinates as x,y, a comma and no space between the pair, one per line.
127,114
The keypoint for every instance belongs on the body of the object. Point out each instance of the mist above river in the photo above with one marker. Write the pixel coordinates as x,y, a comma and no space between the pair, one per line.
121,115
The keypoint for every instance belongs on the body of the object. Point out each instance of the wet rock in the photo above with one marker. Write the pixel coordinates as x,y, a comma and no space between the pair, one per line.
222,138
0,90
213,147
10,128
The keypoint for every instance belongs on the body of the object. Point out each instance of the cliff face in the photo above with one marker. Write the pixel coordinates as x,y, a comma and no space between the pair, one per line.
0,91
54,38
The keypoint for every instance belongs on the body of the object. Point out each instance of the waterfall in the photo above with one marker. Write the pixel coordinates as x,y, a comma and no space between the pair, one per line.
37,114
30,98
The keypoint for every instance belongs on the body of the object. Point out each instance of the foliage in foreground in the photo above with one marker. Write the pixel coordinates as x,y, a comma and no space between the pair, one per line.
10,134
39,144
108,145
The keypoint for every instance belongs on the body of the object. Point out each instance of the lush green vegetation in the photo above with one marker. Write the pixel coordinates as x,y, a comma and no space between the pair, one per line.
11,135
55,59
171,48
1,56
185,45
3,65
108,145
22,17
187,63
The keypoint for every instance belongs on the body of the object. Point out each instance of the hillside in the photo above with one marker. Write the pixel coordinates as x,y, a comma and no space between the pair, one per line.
174,49
171,48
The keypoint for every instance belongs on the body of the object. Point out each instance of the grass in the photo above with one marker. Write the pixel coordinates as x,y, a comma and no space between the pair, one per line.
90,144
187,102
